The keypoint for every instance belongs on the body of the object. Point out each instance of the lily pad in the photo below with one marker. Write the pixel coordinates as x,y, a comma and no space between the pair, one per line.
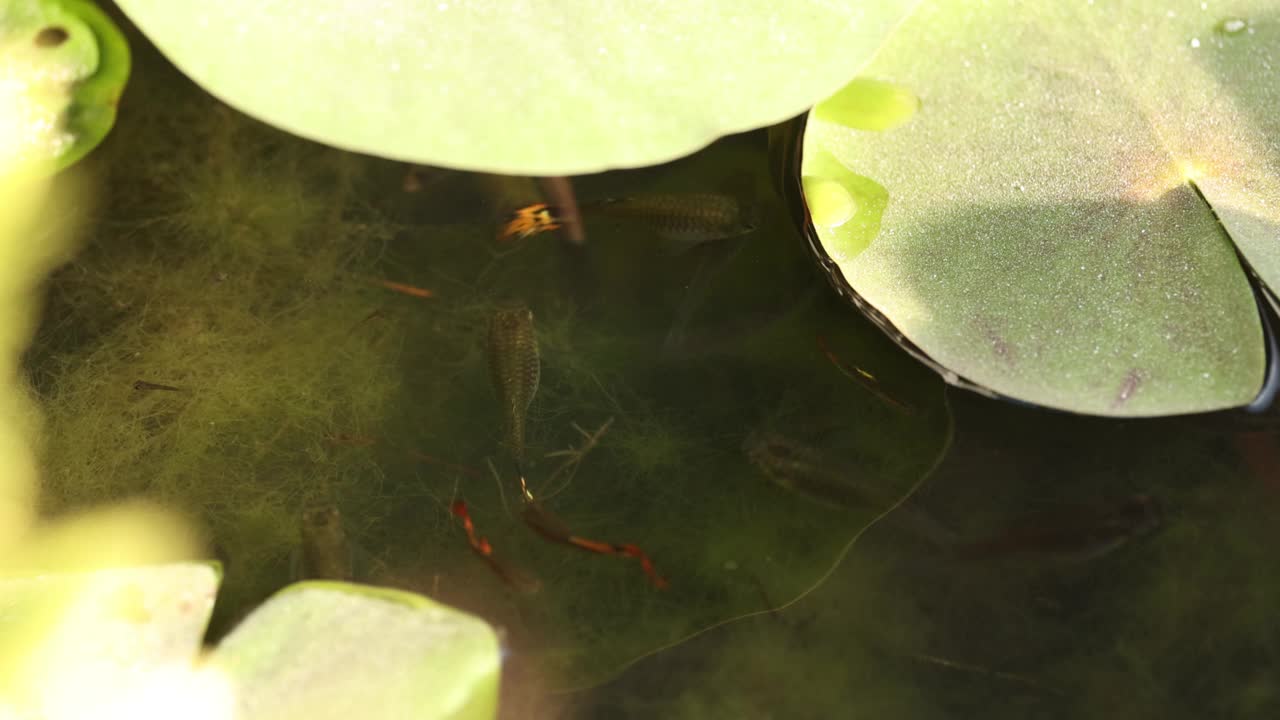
334,650
65,66
109,638
1058,219
528,88
126,639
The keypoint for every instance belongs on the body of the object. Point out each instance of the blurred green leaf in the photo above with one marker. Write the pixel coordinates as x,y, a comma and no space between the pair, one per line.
65,65
95,643
333,650
539,88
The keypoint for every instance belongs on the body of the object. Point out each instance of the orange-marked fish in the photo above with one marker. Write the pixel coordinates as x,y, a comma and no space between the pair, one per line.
685,219
554,529
530,220
513,576
413,290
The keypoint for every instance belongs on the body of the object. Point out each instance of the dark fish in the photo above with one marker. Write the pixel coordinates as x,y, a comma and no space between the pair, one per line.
144,385
803,469
1083,535
688,219
326,554
514,367
814,474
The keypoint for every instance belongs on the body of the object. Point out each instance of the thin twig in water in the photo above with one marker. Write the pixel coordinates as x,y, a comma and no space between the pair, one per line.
966,667
502,494
574,457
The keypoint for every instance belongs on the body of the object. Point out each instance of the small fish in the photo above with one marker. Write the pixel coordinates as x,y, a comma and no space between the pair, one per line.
518,579
803,469
407,289
325,553
515,369
687,219
530,220
809,472
144,385
1097,533
554,529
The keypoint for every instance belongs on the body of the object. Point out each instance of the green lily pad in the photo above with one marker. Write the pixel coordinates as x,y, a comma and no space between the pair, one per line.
102,636
1057,221
334,650
533,88
118,639
67,63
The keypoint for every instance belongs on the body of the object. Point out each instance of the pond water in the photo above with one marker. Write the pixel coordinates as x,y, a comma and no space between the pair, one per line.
260,329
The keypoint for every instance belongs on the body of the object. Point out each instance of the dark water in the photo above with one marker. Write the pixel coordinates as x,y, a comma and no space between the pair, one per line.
972,563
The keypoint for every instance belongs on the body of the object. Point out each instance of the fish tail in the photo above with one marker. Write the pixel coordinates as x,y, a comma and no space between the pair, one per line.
530,220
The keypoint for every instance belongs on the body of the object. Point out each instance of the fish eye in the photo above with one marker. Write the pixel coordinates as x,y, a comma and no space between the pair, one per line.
52,36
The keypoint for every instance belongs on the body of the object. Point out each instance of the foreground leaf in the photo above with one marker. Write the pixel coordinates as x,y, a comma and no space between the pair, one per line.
531,88
108,641
331,650
1056,222
64,67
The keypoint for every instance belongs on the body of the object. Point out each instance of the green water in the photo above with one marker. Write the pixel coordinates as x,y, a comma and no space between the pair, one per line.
240,265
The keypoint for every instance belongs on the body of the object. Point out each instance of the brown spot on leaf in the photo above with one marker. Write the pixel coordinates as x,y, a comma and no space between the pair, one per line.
52,36
1001,348
1132,381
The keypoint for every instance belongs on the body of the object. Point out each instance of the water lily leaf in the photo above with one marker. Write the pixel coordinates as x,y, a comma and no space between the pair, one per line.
65,66
529,88
1058,219
334,650
114,637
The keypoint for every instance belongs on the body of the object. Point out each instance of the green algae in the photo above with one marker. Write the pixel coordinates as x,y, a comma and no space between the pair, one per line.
239,268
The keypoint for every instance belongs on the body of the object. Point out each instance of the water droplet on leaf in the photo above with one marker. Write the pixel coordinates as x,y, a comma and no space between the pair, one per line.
1232,26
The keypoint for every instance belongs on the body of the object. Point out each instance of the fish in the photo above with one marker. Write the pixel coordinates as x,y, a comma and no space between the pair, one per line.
325,552
685,219
530,220
803,469
519,580
816,475
1083,534
145,385
689,218
515,368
